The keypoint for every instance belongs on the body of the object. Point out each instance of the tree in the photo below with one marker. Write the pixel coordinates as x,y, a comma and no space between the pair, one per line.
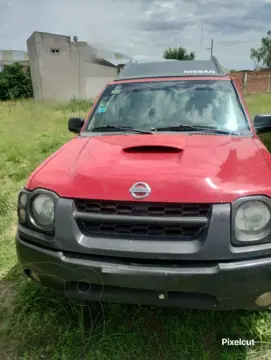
15,82
178,54
263,53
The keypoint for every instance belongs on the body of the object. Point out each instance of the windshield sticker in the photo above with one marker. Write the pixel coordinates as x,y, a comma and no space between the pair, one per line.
115,91
103,104
102,109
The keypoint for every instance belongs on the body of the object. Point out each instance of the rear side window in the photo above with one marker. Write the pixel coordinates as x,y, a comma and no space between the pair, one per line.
169,103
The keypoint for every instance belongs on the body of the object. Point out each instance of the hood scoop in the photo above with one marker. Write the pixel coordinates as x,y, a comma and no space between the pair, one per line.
154,144
152,149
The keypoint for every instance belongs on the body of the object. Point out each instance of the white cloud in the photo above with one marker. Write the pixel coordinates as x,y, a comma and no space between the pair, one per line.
162,11
144,28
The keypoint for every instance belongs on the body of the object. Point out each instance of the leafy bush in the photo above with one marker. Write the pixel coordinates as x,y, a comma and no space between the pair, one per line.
179,53
15,82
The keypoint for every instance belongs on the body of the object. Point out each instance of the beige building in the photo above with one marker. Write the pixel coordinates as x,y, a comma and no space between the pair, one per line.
63,69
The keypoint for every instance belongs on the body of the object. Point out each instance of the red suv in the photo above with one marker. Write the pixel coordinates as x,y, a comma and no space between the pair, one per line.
164,197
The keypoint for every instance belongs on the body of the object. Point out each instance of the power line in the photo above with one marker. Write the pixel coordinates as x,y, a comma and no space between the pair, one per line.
211,49
235,54
228,43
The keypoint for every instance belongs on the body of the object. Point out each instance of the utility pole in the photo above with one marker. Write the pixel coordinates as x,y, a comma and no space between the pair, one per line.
211,48
201,32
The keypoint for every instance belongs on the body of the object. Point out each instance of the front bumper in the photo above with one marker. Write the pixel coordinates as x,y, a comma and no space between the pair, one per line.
222,285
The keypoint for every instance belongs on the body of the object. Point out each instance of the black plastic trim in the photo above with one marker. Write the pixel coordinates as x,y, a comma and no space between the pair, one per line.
90,217
235,284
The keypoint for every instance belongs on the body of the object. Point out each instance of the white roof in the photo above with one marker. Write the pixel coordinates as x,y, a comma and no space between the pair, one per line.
13,55
114,58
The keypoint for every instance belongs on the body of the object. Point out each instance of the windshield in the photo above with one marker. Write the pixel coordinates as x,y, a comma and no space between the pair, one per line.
159,104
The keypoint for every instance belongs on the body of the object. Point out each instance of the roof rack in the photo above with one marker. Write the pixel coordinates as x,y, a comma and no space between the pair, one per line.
171,68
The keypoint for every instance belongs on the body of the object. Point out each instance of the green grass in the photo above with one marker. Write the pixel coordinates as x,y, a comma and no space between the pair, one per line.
36,323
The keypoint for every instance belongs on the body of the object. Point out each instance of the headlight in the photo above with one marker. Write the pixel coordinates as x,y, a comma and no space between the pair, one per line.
43,210
252,221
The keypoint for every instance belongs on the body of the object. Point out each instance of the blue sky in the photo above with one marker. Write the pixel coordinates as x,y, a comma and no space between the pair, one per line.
142,29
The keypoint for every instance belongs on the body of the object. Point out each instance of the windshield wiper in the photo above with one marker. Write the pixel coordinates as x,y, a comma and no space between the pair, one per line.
207,129
121,128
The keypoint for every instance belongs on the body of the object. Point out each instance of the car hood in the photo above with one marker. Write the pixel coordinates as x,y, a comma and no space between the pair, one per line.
177,167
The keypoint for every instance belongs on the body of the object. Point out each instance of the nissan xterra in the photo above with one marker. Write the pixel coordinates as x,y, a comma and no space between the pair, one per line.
162,198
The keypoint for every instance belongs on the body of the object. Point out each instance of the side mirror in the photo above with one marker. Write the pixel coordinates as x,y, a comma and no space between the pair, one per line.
75,125
262,123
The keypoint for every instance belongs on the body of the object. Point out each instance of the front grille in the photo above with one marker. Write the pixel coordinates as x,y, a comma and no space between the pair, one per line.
93,219
142,209
142,230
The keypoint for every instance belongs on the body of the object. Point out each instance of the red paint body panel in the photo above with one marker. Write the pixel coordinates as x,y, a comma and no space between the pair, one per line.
181,78
96,100
209,168
241,97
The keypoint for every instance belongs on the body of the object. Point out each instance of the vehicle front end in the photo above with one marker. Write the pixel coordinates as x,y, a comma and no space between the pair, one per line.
154,214
194,255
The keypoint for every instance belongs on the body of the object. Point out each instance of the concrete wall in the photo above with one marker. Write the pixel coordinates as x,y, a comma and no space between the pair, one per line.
100,76
72,72
34,67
